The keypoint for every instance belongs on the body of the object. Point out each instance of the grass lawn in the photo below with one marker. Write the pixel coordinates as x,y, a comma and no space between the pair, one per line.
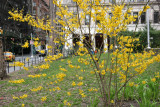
59,92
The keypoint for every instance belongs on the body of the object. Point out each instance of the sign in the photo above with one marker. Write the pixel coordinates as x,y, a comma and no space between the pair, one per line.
31,42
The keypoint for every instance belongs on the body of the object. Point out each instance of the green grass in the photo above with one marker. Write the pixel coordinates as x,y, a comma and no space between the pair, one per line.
147,91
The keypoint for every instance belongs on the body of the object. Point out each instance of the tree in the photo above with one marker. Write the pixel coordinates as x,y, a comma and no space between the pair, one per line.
3,72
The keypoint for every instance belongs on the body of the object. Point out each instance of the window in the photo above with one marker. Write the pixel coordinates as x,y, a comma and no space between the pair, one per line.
86,41
110,15
136,19
143,18
156,17
87,19
140,0
130,0
34,12
34,4
97,21
73,2
112,1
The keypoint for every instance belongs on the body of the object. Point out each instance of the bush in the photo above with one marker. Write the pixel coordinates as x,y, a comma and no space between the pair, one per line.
154,43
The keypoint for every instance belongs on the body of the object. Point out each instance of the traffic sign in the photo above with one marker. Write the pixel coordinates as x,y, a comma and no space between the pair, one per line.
31,42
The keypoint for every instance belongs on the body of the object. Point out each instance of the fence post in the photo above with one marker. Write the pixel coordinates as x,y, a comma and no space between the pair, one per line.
24,62
14,65
38,59
28,62
35,60
32,61
20,61
8,66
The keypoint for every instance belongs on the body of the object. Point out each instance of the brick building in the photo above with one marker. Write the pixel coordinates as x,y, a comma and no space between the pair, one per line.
40,10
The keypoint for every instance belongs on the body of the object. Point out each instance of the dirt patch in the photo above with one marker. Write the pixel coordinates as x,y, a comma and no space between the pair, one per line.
129,103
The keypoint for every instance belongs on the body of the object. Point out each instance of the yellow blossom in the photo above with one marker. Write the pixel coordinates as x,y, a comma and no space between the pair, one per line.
80,78
24,96
44,98
112,101
153,79
131,84
73,83
143,82
17,81
68,93
23,105
80,83
103,72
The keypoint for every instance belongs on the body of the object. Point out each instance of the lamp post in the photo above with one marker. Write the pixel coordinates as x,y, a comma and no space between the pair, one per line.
31,46
148,35
21,45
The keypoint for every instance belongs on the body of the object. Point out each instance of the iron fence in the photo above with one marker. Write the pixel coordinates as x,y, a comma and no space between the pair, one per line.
28,62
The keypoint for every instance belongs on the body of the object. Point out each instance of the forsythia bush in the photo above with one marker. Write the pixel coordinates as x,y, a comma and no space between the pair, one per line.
121,64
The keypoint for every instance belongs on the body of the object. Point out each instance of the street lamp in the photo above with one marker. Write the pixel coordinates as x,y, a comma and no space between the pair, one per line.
21,45
31,42
148,35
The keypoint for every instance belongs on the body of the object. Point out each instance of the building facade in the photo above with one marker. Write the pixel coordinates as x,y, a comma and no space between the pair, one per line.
137,5
40,10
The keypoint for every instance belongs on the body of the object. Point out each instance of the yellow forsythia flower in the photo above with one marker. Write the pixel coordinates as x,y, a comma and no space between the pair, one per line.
131,84
103,72
80,78
80,83
24,96
23,105
26,45
112,101
25,68
44,98
68,93
73,83
17,81
15,98
153,79
143,82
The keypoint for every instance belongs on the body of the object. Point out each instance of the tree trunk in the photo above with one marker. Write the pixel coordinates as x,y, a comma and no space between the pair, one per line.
3,72
52,34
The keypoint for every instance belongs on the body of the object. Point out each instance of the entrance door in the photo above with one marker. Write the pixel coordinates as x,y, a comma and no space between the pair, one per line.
99,41
76,38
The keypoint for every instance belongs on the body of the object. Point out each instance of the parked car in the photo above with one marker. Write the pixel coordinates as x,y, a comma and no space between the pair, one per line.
9,56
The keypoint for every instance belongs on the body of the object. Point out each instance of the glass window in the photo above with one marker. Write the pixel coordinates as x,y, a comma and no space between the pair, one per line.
135,14
73,2
7,53
156,17
87,19
130,0
97,21
140,0
143,18
112,1
110,15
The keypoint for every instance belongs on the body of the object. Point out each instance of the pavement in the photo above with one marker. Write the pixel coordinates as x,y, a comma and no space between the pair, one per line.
32,61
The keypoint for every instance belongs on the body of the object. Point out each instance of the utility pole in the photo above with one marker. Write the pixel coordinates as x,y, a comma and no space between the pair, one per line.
3,72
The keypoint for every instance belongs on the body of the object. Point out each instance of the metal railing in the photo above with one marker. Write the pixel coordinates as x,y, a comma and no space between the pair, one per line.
28,62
